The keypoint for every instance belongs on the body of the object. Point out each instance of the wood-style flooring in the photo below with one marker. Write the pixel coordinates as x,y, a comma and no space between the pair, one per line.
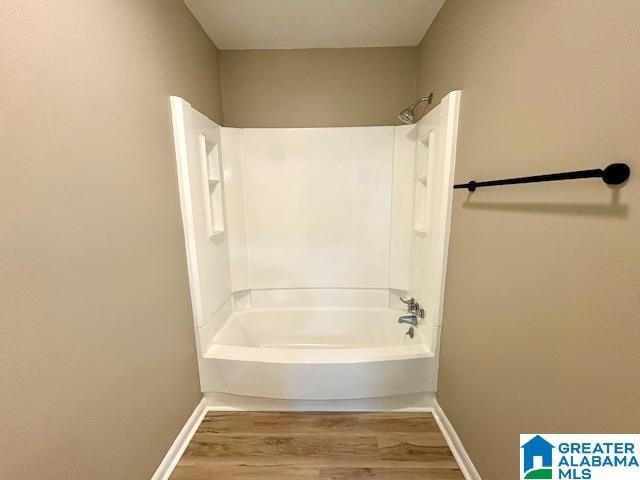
309,445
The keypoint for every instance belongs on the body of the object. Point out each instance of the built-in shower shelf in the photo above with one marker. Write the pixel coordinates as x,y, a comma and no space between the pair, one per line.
213,187
423,187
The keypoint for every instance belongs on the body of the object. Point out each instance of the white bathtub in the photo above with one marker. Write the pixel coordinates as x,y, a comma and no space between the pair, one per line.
318,354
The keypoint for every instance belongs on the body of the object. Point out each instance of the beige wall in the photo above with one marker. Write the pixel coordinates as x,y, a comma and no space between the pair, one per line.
97,358
317,87
542,309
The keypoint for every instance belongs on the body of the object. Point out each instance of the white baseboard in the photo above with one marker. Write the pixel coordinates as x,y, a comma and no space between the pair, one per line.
179,445
455,444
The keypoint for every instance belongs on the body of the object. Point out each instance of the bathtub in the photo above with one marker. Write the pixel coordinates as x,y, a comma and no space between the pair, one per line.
318,354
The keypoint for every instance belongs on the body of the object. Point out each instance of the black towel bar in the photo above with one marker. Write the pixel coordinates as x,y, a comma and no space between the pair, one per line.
614,174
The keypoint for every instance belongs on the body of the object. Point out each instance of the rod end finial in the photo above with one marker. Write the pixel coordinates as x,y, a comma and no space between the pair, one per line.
616,173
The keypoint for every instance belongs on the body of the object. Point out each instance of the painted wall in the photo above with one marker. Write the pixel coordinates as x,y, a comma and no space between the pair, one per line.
317,87
97,356
541,310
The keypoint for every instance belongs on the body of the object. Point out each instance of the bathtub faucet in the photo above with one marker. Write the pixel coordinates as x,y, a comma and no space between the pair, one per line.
410,319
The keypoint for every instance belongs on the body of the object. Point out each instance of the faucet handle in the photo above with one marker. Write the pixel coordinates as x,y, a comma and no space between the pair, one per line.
414,308
409,303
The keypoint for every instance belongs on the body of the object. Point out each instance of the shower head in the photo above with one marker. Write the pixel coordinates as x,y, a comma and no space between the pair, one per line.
406,116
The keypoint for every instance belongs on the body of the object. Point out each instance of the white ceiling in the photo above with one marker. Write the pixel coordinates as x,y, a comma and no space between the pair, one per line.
270,24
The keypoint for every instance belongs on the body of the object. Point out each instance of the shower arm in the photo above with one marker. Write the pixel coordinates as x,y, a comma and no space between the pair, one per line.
407,116
428,99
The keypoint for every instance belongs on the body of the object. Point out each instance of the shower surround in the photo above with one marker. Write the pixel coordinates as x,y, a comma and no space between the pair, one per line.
300,243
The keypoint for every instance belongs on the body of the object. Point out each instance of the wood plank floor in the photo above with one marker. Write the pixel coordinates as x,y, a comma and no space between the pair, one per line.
340,446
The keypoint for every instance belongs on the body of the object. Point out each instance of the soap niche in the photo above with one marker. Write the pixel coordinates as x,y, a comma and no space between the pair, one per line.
423,186
213,187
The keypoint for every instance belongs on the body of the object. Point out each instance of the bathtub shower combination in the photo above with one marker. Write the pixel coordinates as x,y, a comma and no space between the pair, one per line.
304,247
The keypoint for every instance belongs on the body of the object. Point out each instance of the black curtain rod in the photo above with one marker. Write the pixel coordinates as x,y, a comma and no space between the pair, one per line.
614,174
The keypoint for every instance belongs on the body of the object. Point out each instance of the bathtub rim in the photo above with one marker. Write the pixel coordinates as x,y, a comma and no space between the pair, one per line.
316,356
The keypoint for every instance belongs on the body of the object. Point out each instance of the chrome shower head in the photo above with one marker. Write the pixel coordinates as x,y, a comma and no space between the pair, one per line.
406,116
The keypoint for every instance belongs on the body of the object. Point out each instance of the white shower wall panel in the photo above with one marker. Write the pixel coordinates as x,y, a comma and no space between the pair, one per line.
231,139
401,231
318,206
197,141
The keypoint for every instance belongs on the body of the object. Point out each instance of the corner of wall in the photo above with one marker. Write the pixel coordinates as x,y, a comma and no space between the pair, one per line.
220,87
